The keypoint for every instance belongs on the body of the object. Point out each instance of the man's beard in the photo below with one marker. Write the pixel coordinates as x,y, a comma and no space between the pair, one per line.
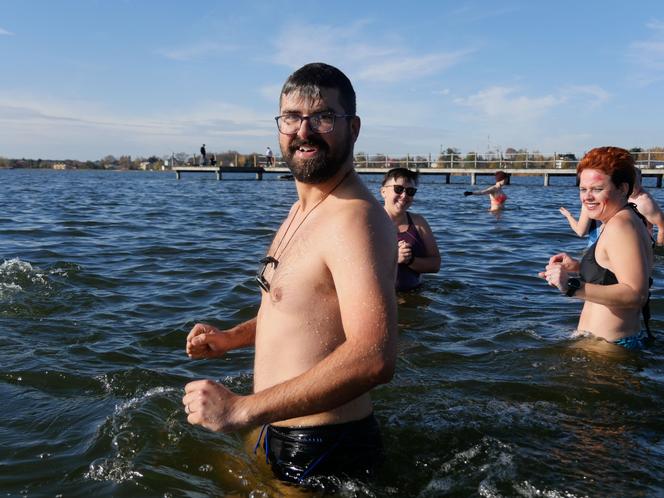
320,168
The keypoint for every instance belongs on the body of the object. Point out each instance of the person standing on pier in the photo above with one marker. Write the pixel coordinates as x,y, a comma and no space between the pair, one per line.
269,158
203,155
325,333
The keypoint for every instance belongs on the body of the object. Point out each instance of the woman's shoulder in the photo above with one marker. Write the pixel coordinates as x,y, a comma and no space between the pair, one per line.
623,223
419,221
415,218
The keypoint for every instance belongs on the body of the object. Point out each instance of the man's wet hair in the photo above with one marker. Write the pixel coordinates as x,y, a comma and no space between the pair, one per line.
310,79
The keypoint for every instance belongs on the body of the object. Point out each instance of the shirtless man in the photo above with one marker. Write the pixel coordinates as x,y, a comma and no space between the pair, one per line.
325,333
648,207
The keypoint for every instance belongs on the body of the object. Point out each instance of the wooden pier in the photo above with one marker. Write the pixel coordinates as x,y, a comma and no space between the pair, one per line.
473,173
219,170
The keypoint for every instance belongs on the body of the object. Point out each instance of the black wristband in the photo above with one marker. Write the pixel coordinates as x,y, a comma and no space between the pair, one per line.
573,285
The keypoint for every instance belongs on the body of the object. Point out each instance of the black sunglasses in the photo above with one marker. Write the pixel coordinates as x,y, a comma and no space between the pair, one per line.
260,278
400,189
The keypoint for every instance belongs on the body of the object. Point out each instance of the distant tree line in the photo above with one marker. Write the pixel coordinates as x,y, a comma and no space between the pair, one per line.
126,162
448,158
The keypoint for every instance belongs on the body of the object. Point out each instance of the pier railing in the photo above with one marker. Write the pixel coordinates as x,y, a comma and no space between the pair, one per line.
450,160
644,160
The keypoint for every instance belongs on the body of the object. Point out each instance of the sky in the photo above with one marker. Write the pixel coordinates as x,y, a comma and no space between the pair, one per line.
83,79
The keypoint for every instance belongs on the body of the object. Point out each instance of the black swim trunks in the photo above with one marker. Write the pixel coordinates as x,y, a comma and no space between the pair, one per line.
352,449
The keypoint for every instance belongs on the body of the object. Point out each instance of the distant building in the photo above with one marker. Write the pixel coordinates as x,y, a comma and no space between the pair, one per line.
60,166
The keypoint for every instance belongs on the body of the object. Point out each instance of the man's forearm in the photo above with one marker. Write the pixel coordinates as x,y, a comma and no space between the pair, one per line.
242,335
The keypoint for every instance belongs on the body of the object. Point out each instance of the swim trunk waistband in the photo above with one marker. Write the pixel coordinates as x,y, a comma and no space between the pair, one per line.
636,341
351,449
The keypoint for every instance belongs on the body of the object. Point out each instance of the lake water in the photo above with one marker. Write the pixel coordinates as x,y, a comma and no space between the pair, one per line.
102,274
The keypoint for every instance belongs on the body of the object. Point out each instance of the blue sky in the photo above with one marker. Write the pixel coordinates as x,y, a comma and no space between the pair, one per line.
84,79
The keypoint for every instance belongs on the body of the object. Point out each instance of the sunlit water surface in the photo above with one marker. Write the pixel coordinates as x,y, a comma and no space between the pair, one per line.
102,274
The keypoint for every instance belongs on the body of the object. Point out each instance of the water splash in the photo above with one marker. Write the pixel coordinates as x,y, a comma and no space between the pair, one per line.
125,441
17,276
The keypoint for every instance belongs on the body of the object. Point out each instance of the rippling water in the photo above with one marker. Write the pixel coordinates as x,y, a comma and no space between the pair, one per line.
103,273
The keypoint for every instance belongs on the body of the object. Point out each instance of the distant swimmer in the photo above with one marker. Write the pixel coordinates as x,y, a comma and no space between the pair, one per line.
495,192
648,207
418,250
326,331
614,274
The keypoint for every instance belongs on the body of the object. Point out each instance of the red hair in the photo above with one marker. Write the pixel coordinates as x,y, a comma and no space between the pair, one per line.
615,162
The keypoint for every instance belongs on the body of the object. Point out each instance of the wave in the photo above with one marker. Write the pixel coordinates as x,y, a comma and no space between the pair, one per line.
16,276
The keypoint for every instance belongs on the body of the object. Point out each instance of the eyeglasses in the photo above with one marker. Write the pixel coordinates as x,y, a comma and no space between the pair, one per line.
400,189
321,122
260,278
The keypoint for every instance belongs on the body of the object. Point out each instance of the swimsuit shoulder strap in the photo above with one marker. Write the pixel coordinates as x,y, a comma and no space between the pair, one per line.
636,211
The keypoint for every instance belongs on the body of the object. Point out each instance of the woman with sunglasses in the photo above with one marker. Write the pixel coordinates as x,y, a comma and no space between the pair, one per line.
495,192
418,251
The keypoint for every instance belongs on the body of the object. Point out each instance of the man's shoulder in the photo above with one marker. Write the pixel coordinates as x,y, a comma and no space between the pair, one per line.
359,213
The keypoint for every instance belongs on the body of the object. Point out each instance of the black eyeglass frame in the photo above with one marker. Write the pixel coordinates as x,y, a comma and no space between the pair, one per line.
316,115
400,189
260,276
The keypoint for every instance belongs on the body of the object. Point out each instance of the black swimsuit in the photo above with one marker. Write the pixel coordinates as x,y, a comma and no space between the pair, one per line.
591,272
352,449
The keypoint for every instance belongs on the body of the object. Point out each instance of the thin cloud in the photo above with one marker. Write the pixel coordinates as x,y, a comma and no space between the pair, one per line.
648,55
197,51
409,67
500,102
270,93
382,60
65,122
4,32
592,95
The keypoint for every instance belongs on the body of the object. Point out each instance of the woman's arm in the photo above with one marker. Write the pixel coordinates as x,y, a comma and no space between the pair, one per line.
581,226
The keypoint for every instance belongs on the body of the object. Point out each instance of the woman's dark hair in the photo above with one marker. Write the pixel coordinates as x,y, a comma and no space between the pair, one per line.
311,78
501,175
396,173
612,161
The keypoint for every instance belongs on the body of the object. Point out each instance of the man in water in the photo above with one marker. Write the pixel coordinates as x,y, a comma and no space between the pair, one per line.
648,207
325,333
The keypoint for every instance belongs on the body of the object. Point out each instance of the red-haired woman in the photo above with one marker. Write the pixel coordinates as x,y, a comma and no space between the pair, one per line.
614,273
